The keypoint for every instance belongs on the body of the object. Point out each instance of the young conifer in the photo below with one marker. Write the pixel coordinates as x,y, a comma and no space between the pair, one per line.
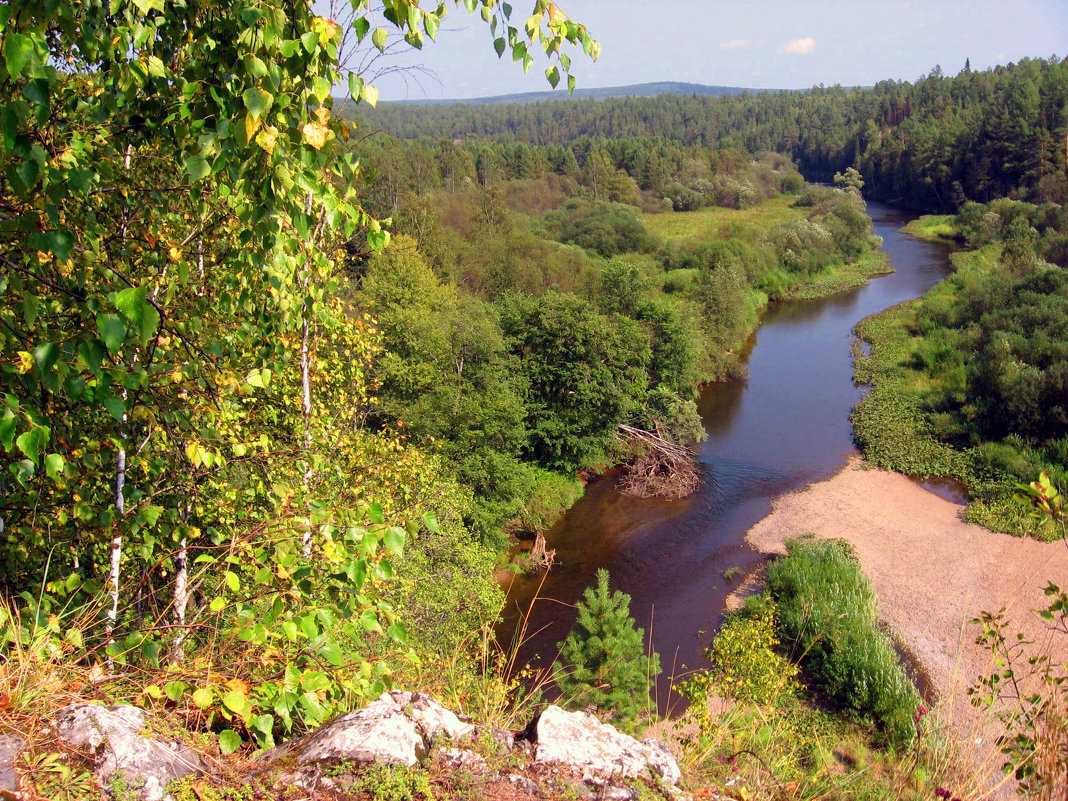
603,659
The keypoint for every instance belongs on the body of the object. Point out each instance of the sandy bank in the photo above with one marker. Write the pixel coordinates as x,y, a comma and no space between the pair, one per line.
932,572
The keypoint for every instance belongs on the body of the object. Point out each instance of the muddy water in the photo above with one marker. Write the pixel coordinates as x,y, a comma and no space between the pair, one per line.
784,427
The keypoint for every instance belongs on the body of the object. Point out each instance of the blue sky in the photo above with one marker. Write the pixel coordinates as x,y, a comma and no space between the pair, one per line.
775,44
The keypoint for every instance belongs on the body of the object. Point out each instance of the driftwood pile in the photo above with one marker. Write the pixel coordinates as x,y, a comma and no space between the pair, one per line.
661,468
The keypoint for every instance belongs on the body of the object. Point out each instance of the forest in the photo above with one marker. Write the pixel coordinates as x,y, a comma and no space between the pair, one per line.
286,376
931,144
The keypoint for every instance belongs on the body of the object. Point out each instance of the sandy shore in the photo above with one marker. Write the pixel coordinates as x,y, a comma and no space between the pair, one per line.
932,572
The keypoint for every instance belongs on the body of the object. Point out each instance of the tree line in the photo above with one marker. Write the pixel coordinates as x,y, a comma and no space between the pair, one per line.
932,144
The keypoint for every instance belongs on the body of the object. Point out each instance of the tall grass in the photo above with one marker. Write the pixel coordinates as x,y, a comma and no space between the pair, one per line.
827,615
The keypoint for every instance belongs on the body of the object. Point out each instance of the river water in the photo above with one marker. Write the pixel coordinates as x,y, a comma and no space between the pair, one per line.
784,427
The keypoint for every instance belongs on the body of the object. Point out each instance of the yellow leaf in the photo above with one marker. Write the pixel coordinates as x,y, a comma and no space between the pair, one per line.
251,125
25,362
315,134
268,138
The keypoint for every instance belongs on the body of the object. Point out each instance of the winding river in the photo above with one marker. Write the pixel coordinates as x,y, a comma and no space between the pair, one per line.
783,428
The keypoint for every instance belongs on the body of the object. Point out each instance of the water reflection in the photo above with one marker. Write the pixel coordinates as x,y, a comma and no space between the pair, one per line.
782,428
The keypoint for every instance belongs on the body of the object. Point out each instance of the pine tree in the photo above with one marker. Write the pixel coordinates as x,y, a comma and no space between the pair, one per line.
603,658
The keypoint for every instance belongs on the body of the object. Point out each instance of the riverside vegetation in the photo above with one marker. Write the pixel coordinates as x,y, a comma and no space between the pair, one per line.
971,380
262,448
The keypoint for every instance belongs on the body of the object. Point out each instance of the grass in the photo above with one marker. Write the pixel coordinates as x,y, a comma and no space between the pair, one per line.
827,616
715,222
842,277
934,228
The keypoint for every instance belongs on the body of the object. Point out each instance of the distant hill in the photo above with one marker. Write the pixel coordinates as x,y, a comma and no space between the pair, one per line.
599,93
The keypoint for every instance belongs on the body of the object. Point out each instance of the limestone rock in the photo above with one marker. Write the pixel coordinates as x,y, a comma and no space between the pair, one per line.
582,741
10,745
112,737
397,728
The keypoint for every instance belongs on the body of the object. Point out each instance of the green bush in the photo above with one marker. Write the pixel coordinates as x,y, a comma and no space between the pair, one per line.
827,615
744,664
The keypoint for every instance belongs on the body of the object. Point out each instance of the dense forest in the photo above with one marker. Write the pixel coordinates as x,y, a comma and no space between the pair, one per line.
931,144
278,394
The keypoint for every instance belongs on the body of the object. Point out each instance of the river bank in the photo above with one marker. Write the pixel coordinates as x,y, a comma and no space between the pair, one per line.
933,573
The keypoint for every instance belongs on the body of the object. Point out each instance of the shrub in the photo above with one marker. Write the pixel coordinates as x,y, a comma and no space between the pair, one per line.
744,664
827,614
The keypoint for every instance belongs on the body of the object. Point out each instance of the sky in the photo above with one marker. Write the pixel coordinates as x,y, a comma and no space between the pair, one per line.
761,44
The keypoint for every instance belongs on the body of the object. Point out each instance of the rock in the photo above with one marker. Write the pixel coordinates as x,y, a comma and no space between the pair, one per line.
463,758
10,745
583,742
613,792
111,736
398,727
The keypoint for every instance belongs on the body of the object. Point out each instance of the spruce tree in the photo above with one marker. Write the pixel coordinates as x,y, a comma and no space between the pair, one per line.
603,659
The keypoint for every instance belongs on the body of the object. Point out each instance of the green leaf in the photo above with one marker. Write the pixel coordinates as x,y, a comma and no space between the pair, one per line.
34,441
174,689
203,697
232,581
116,407
376,513
54,464
361,26
197,168
499,44
112,330
46,355
258,101
398,633
369,94
61,243
236,702
258,378
431,522
379,38
332,653
393,539
217,604
553,74
355,85
18,50
229,741
289,628
264,724
7,429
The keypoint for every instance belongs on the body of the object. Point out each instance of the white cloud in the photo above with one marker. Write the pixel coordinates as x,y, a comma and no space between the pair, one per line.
734,44
799,46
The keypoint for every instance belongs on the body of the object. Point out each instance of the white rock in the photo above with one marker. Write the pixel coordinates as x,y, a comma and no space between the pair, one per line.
10,745
583,742
111,735
397,727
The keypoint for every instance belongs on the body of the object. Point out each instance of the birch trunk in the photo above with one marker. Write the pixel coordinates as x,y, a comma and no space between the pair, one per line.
181,600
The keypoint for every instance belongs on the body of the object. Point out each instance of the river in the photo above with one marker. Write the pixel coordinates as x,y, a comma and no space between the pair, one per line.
784,427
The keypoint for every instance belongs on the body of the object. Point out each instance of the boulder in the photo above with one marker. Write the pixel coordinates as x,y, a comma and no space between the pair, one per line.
112,739
10,745
398,727
599,750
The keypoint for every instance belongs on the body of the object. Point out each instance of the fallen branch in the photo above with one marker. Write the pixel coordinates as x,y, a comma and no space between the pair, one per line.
660,467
